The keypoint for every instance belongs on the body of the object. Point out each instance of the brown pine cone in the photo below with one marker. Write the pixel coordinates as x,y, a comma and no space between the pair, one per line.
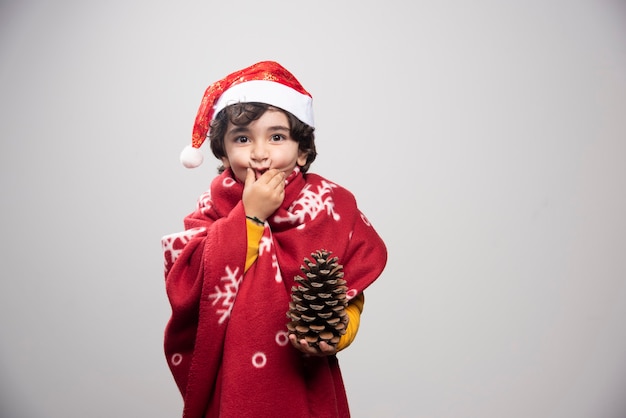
318,302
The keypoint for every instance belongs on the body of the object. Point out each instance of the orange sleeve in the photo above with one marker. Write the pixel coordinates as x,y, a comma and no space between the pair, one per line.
255,232
354,310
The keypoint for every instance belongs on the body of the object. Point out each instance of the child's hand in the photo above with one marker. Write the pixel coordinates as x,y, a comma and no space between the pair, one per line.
324,350
261,197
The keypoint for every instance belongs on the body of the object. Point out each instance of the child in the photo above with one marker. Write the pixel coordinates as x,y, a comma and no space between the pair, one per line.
229,274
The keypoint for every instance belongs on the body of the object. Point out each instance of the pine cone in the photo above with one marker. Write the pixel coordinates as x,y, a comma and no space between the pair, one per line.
318,302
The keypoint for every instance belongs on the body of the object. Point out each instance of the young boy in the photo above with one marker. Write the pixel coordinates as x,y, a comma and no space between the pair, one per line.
229,274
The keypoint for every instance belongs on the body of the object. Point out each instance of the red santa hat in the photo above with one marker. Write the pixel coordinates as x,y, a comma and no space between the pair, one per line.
264,82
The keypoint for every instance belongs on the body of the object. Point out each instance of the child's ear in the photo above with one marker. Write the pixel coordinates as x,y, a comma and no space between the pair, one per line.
302,156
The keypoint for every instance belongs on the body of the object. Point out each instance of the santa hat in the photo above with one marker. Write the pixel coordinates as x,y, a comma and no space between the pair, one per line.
264,82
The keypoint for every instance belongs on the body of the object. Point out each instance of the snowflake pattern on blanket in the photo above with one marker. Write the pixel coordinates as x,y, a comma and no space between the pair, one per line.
226,292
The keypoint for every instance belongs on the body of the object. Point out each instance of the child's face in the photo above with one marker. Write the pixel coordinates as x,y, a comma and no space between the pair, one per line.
263,144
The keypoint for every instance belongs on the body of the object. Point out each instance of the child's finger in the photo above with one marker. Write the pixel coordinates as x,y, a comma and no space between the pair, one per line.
326,348
278,179
250,177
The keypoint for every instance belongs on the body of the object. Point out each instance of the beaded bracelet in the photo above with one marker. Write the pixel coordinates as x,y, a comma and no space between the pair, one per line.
256,220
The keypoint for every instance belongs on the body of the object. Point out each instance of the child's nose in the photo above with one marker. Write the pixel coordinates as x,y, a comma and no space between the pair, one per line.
259,151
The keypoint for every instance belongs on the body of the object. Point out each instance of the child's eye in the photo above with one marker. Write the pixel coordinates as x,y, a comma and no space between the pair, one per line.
241,140
277,138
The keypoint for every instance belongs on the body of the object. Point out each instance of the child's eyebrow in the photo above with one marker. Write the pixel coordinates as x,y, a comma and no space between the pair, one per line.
278,128
238,130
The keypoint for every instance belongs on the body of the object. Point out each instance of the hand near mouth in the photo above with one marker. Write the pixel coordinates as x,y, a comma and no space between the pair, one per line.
263,195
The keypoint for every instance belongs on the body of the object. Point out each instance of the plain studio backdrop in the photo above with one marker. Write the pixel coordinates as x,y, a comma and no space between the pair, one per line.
486,141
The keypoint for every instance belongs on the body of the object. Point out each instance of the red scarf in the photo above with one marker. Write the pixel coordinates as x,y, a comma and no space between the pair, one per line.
226,342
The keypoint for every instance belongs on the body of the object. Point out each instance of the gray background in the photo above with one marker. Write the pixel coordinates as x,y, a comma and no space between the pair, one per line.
485,140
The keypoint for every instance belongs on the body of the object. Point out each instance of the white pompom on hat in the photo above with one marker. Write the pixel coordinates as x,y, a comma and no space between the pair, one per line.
264,82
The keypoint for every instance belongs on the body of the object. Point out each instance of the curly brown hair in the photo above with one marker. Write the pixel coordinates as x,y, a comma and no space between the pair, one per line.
241,114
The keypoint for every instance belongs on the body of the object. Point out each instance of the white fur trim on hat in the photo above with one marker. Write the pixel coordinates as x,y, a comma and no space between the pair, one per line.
272,93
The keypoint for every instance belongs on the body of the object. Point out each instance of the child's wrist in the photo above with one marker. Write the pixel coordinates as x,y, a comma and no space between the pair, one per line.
255,220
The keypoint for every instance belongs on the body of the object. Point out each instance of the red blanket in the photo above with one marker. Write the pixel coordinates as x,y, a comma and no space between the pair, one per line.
226,342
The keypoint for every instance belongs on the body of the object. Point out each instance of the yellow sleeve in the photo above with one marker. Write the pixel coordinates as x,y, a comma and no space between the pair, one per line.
255,232
354,309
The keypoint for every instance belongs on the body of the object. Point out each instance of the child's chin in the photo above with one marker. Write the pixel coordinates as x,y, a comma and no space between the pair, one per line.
238,177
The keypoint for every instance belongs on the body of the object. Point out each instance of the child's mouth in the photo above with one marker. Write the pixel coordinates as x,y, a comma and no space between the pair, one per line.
259,172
